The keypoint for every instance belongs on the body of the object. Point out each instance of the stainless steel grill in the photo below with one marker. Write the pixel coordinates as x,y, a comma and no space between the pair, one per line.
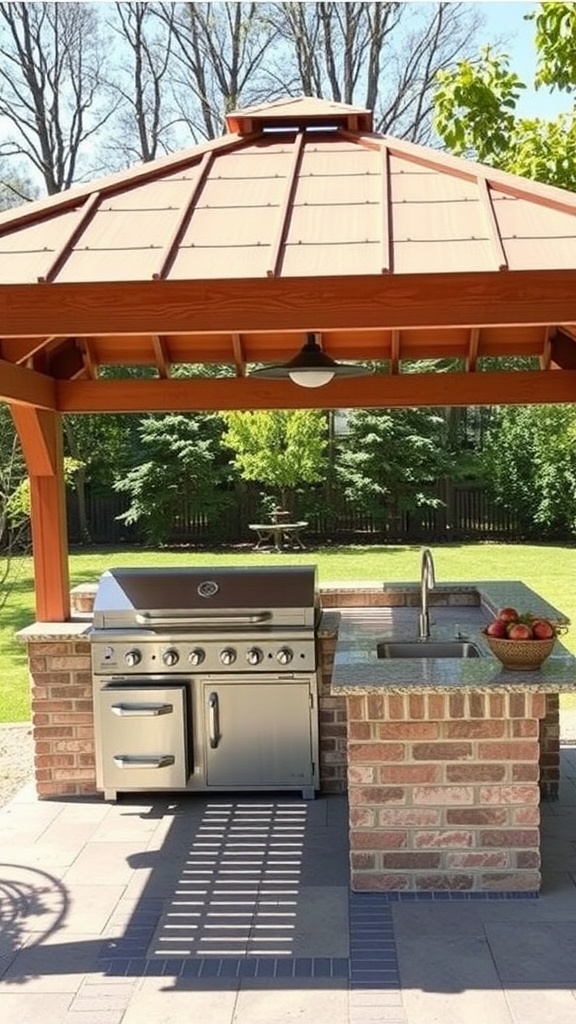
206,678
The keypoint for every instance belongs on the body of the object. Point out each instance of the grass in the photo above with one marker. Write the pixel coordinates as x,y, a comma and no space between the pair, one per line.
549,569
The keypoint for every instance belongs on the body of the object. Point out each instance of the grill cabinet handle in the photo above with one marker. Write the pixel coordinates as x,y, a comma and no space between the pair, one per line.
206,619
214,720
145,761
142,710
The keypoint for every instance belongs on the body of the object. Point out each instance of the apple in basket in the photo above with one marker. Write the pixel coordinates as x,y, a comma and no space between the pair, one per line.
542,629
508,615
498,628
520,631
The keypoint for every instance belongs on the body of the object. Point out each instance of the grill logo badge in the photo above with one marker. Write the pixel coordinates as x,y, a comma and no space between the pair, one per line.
208,588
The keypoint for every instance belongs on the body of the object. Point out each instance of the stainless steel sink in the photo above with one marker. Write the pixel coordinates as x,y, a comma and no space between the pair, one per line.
428,649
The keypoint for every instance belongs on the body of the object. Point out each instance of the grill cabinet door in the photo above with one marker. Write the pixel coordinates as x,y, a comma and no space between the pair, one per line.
258,734
142,737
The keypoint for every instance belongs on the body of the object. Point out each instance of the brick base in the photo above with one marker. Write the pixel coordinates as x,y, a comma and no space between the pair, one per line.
443,791
62,718
550,748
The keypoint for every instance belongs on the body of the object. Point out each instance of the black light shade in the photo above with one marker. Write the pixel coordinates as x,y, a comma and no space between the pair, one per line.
311,368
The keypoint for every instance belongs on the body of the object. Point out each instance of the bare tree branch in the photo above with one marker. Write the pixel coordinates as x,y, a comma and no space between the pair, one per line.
51,86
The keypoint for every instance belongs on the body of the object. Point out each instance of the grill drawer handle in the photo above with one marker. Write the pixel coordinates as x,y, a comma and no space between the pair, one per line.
214,720
232,619
151,761
142,710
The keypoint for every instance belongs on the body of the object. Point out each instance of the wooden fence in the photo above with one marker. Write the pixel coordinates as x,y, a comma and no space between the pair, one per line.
467,513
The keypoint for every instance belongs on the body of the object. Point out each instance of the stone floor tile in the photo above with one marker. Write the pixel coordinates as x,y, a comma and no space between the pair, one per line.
541,954
53,962
33,1007
290,1005
159,1001
541,1006
103,863
97,1016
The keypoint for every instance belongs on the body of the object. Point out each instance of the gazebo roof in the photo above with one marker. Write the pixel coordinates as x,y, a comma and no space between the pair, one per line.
299,218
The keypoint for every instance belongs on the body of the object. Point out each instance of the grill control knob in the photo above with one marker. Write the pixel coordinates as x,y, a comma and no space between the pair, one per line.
254,656
197,656
228,656
284,656
133,657
170,657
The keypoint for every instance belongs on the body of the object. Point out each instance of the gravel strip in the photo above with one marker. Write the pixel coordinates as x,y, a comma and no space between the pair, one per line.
16,759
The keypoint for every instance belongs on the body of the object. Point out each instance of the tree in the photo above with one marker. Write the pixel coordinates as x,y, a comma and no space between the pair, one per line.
177,459
220,51
145,118
392,459
475,105
384,56
530,464
282,450
51,87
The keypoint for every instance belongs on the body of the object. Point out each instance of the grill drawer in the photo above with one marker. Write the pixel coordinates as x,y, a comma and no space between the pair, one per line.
141,737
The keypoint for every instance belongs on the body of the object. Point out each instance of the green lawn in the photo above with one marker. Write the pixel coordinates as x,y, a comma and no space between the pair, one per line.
548,569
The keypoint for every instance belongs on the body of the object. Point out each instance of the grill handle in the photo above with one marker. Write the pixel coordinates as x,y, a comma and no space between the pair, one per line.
207,619
151,761
214,720
141,710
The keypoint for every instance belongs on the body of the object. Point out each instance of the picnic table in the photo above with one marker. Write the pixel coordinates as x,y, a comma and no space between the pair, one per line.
278,534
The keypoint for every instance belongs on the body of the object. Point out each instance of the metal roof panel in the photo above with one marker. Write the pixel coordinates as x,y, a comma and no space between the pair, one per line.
423,221
443,257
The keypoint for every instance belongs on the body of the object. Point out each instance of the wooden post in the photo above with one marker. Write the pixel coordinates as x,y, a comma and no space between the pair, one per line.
40,434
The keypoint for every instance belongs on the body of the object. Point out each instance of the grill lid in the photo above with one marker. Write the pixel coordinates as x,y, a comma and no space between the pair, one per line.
207,597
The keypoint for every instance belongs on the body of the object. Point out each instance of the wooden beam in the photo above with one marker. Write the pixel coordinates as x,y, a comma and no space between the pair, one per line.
546,355
395,352
344,303
34,428
89,364
239,357
26,387
472,355
41,436
377,391
563,350
161,356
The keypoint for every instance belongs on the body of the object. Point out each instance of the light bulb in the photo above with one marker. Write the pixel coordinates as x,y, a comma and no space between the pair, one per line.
311,378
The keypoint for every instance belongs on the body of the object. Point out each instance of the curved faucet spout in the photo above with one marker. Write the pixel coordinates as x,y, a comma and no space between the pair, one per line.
427,583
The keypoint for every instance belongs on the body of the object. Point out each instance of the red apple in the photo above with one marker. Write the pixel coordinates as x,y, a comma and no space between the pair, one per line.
498,629
542,629
519,631
508,615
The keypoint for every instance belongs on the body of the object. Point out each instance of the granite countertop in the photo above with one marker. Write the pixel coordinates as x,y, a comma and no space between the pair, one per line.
357,668
49,632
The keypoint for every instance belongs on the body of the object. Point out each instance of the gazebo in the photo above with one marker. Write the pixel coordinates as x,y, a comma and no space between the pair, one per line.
300,219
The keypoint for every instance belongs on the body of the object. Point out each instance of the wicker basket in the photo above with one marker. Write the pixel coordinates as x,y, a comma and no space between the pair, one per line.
520,655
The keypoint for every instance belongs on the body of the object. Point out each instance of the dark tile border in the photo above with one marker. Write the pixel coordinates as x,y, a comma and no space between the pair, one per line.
372,963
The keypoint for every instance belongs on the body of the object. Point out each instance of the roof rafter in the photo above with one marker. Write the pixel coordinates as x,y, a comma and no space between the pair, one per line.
169,250
291,178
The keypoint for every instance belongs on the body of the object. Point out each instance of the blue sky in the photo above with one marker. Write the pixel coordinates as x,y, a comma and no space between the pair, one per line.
505,22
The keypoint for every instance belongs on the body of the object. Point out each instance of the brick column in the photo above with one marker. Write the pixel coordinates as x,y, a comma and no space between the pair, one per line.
550,748
443,791
62,717
332,722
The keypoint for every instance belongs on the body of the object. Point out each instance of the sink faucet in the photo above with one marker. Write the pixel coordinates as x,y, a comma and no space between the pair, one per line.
427,582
